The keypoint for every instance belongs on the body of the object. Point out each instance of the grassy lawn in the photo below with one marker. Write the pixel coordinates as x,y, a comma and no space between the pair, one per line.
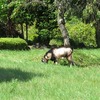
24,77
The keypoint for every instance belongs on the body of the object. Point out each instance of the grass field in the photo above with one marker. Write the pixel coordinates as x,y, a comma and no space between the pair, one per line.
24,77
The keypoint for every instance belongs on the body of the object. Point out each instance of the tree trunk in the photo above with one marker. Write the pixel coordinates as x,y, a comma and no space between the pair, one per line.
98,33
26,31
10,25
61,23
22,32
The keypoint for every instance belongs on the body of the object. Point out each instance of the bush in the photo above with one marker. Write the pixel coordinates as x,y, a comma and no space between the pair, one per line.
44,36
13,44
81,33
56,38
56,42
33,33
56,33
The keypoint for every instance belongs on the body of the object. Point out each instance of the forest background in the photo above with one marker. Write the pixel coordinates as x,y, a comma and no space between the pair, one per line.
36,21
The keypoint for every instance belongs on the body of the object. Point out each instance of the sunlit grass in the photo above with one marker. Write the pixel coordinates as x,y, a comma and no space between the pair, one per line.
24,77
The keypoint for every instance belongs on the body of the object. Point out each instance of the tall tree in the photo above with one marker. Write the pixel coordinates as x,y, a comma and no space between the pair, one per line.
61,22
7,9
10,25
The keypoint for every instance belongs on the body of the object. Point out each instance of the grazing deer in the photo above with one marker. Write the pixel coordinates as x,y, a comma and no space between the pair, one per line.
55,53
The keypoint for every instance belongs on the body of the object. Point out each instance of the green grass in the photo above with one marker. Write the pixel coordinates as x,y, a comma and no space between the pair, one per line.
24,77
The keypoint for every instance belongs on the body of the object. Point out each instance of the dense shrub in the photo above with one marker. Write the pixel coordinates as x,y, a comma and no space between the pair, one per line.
56,38
81,33
13,44
56,33
44,36
32,36
56,42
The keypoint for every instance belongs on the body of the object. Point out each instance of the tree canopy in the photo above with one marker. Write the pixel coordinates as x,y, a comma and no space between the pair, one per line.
48,18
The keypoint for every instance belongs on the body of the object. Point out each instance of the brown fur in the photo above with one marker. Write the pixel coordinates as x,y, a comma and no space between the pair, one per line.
56,53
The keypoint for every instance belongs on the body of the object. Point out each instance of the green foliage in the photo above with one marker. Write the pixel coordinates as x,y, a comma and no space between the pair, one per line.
91,12
44,35
56,33
22,13
3,10
98,14
56,38
87,11
46,22
56,42
32,33
13,44
81,33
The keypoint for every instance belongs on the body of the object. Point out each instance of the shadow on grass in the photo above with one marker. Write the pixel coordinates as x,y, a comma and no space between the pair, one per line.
7,75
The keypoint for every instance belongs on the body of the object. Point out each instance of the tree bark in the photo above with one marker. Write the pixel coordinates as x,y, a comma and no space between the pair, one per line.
22,32
61,24
10,24
26,31
98,33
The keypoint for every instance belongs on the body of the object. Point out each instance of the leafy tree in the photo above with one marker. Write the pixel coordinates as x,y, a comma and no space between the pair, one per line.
3,11
88,11
46,21
23,14
91,13
6,10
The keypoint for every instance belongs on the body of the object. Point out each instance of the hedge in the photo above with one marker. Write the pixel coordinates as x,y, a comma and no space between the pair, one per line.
13,44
